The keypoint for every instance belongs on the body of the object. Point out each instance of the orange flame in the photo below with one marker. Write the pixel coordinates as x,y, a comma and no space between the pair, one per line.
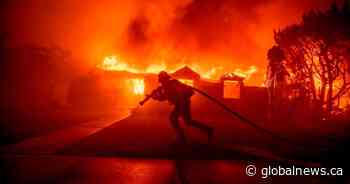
247,73
138,86
187,82
113,63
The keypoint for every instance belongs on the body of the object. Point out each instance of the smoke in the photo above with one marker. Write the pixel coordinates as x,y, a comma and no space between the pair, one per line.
196,29
230,33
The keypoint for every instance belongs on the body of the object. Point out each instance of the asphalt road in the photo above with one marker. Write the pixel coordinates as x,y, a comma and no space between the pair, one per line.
142,149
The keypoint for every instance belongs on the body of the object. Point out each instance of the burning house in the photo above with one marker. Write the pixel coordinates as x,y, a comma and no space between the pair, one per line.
128,86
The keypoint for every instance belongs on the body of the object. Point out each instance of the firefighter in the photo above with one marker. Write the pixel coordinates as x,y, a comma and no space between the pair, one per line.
179,95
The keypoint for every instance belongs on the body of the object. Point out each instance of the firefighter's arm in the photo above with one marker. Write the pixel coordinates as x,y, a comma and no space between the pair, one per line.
159,95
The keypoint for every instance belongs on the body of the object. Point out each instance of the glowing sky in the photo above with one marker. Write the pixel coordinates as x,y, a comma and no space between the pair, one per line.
233,33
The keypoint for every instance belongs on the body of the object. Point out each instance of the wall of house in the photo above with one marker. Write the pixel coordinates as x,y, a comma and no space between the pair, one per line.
253,101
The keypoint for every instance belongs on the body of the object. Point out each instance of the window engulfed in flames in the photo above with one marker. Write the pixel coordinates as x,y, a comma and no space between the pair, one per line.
138,86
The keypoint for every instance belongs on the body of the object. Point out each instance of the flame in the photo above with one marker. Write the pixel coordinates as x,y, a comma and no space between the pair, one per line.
245,74
212,72
138,86
113,63
156,68
187,82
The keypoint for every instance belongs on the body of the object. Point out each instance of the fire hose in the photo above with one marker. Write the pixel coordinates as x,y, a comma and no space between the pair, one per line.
237,115
252,124
226,108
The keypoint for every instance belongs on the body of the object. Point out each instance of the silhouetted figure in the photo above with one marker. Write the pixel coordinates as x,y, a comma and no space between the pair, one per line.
179,95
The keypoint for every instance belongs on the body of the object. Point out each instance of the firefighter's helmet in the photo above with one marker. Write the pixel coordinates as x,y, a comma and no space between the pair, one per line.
163,76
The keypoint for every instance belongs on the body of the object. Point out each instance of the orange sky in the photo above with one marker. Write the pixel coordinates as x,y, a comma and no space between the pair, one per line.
228,33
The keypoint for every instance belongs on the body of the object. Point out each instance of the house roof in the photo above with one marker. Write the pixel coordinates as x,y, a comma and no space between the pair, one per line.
186,73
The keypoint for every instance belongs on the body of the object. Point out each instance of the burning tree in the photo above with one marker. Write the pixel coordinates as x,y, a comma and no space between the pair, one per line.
315,53
276,72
